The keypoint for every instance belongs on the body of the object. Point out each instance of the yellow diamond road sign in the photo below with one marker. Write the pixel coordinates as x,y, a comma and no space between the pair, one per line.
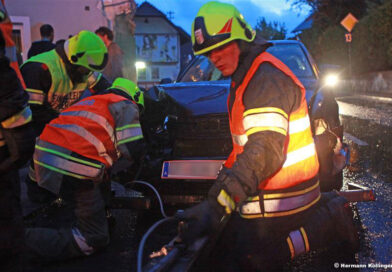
349,22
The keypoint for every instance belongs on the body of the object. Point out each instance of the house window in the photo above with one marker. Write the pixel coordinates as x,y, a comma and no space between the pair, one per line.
155,73
142,74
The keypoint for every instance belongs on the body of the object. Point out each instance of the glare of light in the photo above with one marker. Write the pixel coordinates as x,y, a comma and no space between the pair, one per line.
140,65
331,80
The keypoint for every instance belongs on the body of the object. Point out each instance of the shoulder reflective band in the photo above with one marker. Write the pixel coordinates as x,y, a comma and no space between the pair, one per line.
299,125
298,242
19,119
263,119
240,139
62,162
128,133
94,117
2,141
82,132
35,96
265,122
300,155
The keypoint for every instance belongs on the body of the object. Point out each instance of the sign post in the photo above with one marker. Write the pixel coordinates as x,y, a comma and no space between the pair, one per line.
348,23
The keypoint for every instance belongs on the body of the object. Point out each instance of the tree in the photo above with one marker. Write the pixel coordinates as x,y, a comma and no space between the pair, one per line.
271,30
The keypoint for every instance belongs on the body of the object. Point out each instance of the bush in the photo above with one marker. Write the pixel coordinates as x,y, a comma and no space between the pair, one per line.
371,47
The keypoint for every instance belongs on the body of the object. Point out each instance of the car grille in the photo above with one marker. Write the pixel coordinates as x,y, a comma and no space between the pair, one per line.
206,136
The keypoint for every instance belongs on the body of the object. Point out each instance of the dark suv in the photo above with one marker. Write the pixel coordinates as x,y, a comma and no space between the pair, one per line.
187,128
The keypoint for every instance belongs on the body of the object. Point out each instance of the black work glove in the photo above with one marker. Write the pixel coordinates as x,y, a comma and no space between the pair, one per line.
205,217
199,220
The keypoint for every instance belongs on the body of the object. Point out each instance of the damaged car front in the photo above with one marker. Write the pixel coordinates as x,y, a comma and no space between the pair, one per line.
186,125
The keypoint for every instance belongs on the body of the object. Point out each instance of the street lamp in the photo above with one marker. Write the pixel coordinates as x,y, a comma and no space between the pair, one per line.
140,64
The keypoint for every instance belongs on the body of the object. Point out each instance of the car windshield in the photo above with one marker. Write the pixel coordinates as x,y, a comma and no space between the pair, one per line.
290,54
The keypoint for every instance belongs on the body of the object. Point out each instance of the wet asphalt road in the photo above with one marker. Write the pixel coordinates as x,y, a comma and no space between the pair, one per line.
368,126
368,130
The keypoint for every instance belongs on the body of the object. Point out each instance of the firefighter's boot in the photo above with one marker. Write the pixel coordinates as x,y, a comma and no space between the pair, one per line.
331,223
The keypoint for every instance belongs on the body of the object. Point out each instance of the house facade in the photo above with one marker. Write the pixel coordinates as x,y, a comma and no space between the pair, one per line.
161,45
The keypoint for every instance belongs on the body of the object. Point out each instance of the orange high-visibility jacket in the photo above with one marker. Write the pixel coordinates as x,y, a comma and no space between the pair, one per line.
89,129
301,163
10,49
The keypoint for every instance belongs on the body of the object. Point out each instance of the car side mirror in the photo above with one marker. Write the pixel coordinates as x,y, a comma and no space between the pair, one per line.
166,80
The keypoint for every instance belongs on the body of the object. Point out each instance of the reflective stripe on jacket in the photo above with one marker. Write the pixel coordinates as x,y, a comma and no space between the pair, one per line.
62,92
301,163
89,129
85,139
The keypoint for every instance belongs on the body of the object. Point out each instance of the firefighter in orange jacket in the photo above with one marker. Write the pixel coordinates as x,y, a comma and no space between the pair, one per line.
269,183
72,159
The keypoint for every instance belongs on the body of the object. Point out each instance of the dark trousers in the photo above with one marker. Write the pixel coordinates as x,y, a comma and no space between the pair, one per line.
89,231
11,223
261,244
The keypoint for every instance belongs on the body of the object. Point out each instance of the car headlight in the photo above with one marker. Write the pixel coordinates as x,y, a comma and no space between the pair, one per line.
331,80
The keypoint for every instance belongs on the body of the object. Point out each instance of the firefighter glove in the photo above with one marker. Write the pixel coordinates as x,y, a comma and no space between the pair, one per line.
227,191
199,220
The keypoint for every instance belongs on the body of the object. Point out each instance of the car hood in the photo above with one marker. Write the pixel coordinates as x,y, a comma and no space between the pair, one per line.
201,98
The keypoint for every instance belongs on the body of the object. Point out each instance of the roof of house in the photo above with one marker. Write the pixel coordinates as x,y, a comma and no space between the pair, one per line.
147,10
306,24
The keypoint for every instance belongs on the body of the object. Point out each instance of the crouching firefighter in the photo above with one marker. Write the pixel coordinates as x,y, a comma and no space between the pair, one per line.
269,183
72,159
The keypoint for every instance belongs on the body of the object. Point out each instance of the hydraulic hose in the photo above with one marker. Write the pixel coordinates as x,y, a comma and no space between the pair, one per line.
156,193
143,241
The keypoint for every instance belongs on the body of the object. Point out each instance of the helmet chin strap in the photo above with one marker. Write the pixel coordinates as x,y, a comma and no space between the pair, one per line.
66,49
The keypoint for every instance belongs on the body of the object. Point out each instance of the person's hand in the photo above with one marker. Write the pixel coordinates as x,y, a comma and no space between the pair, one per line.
199,220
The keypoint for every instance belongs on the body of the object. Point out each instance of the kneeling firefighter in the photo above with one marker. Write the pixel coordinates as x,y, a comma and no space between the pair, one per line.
73,157
269,183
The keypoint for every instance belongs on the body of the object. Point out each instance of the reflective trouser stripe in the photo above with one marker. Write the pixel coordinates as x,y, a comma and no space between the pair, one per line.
35,96
298,242
19,119
67,165
102,121
129,133
82,132
81,241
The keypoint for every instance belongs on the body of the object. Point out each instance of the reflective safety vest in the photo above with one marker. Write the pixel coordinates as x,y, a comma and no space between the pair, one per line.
10,49
87,128
62,92
301,163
